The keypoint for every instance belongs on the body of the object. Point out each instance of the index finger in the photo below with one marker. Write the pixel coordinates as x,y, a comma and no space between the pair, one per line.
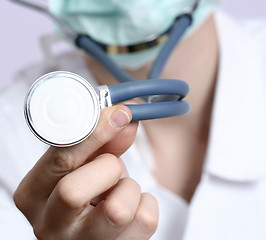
57,162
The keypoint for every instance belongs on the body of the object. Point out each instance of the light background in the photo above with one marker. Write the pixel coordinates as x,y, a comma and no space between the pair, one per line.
21,28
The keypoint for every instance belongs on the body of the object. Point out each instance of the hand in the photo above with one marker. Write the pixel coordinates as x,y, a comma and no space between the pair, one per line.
78,192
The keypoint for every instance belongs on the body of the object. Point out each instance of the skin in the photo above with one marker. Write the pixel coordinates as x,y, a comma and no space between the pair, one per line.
179,144
83,192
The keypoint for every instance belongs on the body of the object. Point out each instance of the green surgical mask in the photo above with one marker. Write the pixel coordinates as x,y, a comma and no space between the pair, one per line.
128,22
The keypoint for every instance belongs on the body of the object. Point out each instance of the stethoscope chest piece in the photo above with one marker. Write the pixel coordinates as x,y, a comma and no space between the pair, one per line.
62,109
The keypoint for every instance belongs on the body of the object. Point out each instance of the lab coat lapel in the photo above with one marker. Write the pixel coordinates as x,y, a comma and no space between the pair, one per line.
237,149
229,202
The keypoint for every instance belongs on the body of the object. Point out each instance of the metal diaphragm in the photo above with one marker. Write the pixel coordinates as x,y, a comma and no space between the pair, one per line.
62,108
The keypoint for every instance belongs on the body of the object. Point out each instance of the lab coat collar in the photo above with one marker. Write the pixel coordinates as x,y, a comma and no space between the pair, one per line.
237,148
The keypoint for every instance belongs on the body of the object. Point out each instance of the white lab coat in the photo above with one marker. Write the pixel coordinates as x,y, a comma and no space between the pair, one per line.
229,202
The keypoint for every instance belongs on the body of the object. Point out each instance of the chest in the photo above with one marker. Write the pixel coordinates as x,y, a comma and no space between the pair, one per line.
178,164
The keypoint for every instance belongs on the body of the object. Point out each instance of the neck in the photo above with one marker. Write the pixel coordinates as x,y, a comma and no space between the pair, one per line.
179,144
194,60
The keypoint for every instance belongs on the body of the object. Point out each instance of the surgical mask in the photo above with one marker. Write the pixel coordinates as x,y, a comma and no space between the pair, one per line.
128,22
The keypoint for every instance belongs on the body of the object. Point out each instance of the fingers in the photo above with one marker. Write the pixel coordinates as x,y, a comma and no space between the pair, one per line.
36,187
124,214
120,143
145,221
73,194
116,212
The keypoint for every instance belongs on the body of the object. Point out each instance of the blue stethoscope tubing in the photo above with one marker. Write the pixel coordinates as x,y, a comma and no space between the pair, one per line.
91,47
124,91
130,88
162,105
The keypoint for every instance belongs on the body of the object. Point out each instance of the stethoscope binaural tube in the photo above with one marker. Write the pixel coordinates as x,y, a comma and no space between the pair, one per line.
91,47
179,27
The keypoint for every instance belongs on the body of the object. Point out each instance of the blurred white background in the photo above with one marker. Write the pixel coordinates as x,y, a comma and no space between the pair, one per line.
21,29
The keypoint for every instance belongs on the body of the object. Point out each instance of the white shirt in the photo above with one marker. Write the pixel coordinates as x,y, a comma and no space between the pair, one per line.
229,202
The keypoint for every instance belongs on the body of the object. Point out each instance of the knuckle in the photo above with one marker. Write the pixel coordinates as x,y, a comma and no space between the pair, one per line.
21,199
105,130
147,220
147,217
18,200
61,162
100,136
38,232
69,195
41,233
117,213
131,183
114,164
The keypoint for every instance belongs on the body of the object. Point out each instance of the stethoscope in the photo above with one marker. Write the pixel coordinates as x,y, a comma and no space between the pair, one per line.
62,109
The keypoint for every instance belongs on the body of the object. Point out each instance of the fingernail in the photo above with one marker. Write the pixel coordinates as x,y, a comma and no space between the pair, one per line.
120,118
